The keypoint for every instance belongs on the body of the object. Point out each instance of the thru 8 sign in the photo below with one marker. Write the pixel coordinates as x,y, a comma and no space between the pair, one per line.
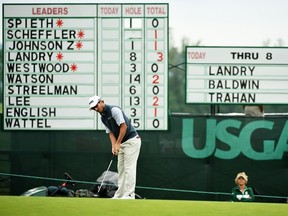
57,56
237,75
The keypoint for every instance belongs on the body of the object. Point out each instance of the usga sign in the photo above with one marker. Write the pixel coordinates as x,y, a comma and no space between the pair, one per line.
271,142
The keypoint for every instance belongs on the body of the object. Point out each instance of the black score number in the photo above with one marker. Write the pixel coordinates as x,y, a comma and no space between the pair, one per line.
134,78
135,122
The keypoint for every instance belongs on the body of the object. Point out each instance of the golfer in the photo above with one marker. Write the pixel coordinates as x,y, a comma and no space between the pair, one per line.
125,142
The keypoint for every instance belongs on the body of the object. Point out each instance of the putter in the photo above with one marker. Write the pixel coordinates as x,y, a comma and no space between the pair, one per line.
97,195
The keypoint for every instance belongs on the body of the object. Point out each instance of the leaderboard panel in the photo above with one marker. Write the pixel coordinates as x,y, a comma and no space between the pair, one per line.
57,56
237,75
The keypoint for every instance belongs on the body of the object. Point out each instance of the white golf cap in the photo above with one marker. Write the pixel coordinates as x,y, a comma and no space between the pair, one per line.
243,175
93,101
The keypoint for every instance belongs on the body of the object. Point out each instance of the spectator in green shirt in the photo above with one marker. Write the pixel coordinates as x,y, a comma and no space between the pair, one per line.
242,193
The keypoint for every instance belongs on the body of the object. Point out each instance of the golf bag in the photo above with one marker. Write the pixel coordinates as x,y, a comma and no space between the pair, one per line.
109,186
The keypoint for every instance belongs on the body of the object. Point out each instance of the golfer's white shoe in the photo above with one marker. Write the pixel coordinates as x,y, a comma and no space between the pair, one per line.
128,197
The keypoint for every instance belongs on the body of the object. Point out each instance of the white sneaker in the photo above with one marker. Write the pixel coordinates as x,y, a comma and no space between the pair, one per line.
127,197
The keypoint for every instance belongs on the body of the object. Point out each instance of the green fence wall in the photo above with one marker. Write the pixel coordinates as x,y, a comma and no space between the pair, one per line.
197,159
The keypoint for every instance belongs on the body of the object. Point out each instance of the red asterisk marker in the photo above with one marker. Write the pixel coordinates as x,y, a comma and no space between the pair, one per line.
73,67
80,34
59,56
79,45
59,23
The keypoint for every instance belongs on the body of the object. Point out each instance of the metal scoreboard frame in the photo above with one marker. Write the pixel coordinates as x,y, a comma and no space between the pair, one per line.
56,56
236,75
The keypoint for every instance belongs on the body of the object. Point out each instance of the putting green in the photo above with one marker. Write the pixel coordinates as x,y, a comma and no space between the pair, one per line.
55,206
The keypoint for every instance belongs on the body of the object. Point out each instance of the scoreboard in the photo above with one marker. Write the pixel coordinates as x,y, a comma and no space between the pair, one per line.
56,56
237,75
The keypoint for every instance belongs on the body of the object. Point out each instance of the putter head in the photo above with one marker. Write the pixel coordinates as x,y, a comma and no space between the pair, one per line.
96,195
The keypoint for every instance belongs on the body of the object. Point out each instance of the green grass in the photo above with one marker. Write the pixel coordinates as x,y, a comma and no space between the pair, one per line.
56,206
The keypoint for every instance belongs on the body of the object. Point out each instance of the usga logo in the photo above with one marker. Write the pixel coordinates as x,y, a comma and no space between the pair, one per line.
271,141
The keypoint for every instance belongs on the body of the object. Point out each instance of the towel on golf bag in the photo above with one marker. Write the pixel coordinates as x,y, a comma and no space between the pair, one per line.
84,193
